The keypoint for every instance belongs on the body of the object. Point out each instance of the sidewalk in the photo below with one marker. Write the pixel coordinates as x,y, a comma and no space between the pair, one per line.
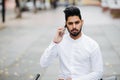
23,41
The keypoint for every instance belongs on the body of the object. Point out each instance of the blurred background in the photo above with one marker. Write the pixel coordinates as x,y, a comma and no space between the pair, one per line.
27,27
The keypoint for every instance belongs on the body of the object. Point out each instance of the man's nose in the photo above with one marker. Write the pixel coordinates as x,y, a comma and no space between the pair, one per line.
74,25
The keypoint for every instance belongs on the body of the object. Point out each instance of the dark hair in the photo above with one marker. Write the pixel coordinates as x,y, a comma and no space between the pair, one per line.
72,11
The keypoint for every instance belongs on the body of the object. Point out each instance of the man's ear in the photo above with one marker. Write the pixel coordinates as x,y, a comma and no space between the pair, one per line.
82,22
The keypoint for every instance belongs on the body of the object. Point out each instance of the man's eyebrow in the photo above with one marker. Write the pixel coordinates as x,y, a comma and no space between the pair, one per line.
77,21
70,22
74,22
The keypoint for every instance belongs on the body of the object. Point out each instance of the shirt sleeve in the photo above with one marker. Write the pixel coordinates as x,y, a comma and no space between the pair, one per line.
96,65
49,55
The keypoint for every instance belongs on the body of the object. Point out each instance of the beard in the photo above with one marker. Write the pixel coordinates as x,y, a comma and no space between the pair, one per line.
74,32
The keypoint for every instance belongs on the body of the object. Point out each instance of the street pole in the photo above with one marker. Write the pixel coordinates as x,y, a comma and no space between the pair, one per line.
3,11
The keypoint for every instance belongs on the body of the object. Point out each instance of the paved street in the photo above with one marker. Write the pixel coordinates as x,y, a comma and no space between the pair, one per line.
22,42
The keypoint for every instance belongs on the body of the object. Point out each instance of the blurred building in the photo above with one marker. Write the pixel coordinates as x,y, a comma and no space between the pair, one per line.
82,2
90,2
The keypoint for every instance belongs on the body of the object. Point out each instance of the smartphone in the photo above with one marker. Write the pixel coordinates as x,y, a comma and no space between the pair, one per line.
65,26
61,33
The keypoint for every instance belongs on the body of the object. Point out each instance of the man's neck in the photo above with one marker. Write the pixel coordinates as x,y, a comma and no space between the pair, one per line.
76,37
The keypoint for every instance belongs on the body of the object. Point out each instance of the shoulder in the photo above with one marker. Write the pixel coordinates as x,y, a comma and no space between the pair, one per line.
90,40
90,43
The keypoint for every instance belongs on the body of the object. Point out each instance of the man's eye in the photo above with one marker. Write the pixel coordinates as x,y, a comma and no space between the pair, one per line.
77,22
70,23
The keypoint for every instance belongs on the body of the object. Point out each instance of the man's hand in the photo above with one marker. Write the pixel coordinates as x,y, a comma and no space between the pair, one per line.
59,35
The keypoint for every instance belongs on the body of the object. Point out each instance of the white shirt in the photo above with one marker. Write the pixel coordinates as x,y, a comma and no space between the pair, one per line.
80,59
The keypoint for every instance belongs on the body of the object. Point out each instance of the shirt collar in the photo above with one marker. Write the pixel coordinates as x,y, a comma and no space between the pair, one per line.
77,40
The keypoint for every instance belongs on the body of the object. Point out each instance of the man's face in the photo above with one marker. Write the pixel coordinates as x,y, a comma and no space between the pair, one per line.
74,25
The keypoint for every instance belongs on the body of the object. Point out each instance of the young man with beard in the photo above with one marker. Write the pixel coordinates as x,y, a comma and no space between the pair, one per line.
79,55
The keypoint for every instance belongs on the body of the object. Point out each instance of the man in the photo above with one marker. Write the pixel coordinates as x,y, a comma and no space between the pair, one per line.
18,9
79,55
